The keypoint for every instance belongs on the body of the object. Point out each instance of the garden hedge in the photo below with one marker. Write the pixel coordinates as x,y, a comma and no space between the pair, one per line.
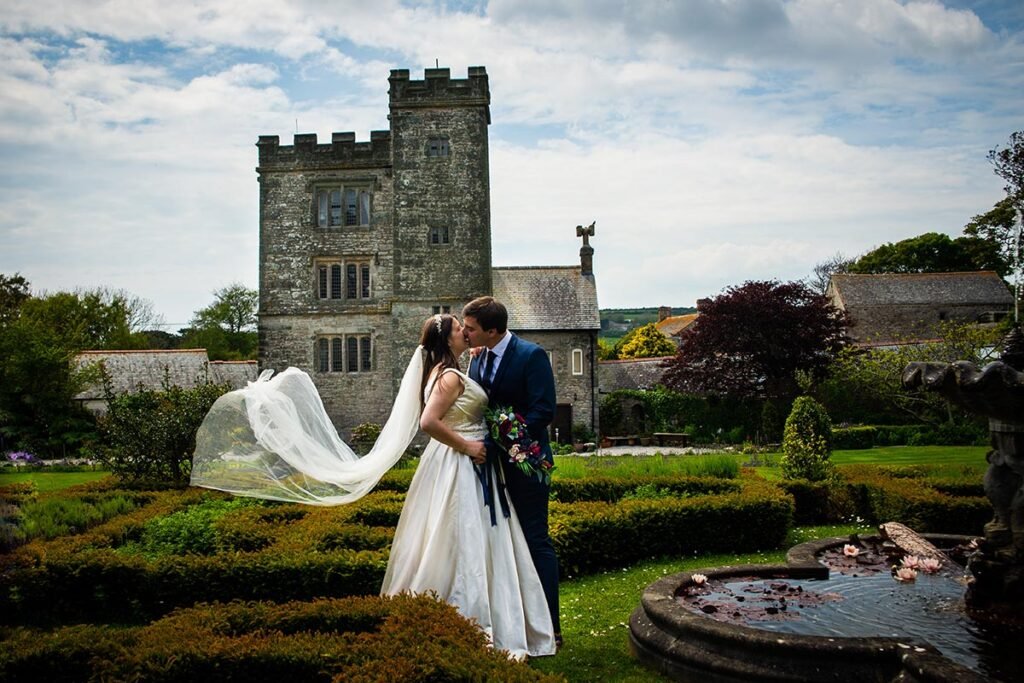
273,551
368,639
882,494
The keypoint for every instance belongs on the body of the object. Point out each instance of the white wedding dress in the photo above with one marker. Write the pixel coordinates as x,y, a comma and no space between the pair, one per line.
445,543
273,439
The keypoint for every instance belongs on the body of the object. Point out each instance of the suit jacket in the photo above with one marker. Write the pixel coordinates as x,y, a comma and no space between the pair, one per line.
524,381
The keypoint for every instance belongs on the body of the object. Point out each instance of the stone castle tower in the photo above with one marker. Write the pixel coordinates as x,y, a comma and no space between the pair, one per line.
361,241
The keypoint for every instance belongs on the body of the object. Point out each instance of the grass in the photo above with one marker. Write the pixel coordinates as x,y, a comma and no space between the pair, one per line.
726,466
951,460
595,611
51,481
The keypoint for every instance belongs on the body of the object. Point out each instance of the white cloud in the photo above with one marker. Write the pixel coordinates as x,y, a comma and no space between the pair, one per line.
712,141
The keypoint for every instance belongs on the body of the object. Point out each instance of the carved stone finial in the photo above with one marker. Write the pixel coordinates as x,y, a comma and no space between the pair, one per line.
1013,349
586,233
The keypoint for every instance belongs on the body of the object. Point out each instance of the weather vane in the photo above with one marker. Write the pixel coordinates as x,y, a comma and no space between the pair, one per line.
587,232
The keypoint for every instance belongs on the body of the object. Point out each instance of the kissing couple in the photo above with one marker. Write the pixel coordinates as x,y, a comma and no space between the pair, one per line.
474,526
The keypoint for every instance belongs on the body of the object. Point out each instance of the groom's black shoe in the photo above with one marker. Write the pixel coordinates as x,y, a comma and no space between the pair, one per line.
558,642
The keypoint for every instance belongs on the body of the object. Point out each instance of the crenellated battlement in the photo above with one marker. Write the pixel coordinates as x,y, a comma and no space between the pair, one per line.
439,89
343,149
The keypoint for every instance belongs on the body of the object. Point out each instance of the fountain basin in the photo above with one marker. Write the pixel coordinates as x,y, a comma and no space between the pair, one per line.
688,645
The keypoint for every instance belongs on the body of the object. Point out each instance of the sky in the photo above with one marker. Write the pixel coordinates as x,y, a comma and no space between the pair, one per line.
712,141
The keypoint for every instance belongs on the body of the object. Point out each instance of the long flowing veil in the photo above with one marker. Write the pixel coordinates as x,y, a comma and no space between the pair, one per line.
273,439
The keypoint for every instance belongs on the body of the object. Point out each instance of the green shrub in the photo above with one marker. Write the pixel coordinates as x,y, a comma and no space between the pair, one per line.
582,433
355,639
807,442
593,536
853,438
612,489
53,517
651,492
151,435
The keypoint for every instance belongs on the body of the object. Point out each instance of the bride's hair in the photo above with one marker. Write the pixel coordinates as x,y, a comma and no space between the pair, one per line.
434,340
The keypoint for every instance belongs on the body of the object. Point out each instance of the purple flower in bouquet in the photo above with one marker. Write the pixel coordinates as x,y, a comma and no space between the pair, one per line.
508,430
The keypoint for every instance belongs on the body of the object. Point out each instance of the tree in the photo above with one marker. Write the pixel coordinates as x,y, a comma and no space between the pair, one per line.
823,272
14,291
932,252
1009,165
869,379
605,350
234,310
38,343
647,342
225,327
751,340
807,442
999,226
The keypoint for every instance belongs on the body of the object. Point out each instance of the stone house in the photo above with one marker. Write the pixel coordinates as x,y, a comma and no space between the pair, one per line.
361,241
134,370
673,325
894,308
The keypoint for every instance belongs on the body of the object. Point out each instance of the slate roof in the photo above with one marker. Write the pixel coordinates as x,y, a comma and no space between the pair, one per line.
983,287
640,373
132,370
674,324
547,297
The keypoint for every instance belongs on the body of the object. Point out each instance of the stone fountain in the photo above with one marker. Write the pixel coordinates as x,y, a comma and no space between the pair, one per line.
996,391
688,644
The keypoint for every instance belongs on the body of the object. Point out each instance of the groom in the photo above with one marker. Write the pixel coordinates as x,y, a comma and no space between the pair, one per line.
517,373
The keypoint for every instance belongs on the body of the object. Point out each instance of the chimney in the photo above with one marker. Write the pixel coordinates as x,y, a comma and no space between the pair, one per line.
664,312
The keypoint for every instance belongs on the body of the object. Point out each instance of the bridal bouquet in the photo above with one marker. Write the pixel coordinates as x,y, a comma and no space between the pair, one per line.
508,430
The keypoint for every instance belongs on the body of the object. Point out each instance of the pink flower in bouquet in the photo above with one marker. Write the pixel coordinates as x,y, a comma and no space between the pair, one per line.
851,550
930,565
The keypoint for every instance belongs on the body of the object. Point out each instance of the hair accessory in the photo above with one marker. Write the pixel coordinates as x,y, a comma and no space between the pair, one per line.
437,322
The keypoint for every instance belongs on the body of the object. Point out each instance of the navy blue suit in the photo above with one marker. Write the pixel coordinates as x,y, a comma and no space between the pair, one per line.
524,380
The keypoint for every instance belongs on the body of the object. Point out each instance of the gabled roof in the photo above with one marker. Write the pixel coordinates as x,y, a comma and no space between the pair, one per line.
983,287
674,324
131,370
638,373
547,297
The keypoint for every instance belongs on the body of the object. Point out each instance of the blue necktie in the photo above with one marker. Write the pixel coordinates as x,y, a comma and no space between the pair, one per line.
485,377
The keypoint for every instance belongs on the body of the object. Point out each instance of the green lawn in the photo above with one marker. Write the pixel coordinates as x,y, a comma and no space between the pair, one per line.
51,481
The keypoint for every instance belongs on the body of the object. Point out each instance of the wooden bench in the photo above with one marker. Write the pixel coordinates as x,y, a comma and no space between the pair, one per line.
672,438
631,440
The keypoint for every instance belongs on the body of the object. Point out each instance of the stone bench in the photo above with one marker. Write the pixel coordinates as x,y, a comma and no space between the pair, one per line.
672,438
631,440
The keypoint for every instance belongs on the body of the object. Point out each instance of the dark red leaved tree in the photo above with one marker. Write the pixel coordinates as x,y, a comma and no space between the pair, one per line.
751,340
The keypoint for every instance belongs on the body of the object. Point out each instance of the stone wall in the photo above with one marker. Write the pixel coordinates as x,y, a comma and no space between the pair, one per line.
576,390
894,322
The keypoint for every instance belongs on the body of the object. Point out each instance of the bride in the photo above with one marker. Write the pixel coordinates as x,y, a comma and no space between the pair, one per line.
274,440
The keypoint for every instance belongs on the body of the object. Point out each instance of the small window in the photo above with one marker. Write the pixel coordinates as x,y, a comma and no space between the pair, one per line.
336,355
344,353
366,360
437,147
353,354
440,235
323,355
335,281
342,206
577,361
442,309
349,280
942,315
